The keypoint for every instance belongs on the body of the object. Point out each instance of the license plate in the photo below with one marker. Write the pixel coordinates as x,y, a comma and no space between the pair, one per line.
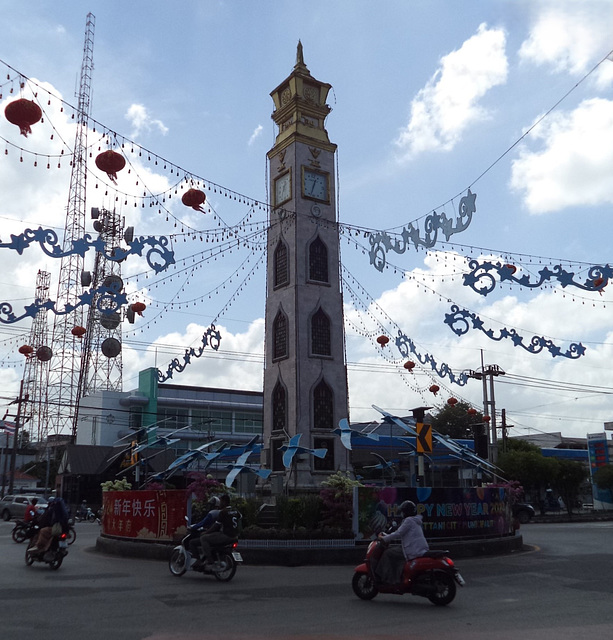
63,544
237,556
459,579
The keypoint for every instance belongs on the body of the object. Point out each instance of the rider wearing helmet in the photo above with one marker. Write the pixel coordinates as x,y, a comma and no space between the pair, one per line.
214,505
413,544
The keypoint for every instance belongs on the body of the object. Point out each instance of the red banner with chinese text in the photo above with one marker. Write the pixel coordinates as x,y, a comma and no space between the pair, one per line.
144,515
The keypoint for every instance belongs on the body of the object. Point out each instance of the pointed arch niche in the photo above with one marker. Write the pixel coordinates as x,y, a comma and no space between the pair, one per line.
321,343
281,265
280,343
318,261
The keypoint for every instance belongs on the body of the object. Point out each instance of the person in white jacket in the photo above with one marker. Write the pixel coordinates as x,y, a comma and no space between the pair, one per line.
413,544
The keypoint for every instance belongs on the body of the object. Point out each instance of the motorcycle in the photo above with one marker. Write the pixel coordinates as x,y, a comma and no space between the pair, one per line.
54,556
86,515
23,531
225,559
433,576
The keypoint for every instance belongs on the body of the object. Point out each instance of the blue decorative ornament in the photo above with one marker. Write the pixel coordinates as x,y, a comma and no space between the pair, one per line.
382,242
211,338
293,447
460,321
347,434
109,301
157,254
241,466
406,345
482,277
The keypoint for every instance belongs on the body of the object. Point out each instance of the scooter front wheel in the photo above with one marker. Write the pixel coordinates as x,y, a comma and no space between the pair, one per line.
56,563
227,567
178,562
364,586
19,534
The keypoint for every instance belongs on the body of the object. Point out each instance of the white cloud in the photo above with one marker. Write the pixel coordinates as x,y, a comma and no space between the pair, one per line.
450,102
574,165
141,121
570,37
256,134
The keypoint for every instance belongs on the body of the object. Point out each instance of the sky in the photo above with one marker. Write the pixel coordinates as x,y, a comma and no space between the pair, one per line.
512,99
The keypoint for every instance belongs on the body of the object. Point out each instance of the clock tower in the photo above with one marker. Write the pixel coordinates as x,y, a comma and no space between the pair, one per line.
305,373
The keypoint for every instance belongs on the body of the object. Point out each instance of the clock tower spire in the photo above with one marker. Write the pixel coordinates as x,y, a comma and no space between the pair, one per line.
305,374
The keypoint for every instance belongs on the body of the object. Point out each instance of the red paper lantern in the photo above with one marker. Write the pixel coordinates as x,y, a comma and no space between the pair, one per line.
471,411
23,113
409,366
434,389
138,307
110,162
511,267
194,198
383,340
598,282
79,332
486,418
26,350
452,402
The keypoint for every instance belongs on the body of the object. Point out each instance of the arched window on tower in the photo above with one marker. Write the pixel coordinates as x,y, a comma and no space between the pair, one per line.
320,334
279,407
279,336
323,407
318,261
281,265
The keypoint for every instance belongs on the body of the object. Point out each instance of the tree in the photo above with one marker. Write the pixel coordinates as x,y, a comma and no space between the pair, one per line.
603,477
525,463
455,421
568,481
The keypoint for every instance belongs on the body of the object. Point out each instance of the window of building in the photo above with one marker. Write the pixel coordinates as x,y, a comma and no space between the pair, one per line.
279,408
281,265
320,334
279,336
247,422
327,463
323,407
318,261
172,417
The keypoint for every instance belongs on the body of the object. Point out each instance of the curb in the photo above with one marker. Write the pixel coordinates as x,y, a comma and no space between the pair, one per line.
296,557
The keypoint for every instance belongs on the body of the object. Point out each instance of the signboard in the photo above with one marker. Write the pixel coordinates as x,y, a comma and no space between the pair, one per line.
477,512
598,451
144,515
424,437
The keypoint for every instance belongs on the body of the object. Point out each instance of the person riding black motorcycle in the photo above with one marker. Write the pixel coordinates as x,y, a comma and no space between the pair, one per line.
223,531
54,517
413,544
209,519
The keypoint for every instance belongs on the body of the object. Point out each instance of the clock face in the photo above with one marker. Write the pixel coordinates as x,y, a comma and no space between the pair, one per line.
283,190
315,185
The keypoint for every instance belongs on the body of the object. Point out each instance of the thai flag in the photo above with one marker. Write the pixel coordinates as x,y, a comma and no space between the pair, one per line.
9,427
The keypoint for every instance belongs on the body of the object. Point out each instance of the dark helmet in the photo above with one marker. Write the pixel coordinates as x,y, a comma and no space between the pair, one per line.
408,508
214,502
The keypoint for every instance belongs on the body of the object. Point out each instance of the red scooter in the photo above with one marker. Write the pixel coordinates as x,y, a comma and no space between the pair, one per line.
432,576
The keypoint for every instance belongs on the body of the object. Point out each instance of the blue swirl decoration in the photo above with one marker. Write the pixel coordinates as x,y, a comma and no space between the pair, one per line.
211,338
460,321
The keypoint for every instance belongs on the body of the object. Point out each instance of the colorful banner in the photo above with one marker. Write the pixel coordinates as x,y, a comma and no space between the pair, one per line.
476,512
598,450
144,515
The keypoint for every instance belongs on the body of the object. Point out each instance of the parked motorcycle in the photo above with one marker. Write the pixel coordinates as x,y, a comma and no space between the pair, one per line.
54,556
433,576
225,559
23,531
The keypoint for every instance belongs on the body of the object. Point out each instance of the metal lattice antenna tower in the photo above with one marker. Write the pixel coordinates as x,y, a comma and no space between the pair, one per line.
36,370
101,365
63,381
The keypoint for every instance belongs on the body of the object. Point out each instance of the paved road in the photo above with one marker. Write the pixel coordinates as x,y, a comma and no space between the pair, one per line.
560,589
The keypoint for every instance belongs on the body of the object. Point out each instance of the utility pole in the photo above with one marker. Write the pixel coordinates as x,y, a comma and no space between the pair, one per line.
19,401
489,403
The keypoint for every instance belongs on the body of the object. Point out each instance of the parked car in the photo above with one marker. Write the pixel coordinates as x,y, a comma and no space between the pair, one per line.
15,506
523,511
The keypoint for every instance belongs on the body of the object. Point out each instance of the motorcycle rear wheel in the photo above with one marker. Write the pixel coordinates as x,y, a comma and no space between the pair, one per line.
229,567
71,536
177,562
19,535
56,563
445,589
363,586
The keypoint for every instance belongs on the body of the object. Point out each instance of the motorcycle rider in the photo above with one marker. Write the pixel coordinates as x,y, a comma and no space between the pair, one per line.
55,514
223,530
208,520
413,544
